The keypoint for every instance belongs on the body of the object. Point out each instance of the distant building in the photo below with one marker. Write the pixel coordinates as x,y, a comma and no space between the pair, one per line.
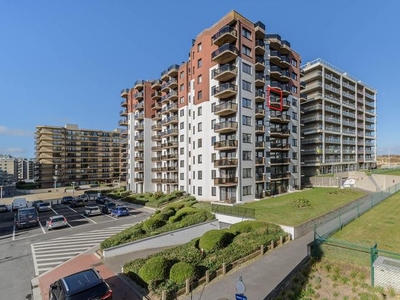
69,154
8,169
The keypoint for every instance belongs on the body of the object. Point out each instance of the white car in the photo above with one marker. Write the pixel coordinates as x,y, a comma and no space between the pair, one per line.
92,211
56,222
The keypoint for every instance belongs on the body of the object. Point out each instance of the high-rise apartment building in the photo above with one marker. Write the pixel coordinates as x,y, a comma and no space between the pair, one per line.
8,169
69,154
222,126
339,121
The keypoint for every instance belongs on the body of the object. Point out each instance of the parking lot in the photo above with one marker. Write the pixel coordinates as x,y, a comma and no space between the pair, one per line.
75,217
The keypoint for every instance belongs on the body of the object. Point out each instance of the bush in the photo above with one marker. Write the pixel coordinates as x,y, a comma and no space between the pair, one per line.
215,239
166,214
133,233
182,271
301,202
247,226
180,214
154,269
153,223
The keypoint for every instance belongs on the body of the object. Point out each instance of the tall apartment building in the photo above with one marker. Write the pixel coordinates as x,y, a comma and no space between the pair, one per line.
339,121
222,126
69,154
8,169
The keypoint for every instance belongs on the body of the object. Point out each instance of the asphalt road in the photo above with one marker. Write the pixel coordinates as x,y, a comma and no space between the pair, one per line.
25,253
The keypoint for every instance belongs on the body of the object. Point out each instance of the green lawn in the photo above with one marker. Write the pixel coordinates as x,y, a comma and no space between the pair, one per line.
380,224
281,209
395,172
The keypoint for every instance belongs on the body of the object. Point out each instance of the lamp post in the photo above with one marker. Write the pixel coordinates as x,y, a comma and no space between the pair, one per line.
73,188
1,192
55,182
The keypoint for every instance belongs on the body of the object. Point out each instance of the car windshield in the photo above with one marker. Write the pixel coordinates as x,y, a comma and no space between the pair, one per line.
58,219
44,204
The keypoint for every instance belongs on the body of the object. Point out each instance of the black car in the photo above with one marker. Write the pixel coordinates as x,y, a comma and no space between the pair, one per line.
107,207
86,284
77,202
101,200
67,200
36,203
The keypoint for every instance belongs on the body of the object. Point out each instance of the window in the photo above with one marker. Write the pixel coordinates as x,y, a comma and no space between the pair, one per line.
194,174
200,143
182,113
182,150
194,115
213,107
199,63
181,87
194,129
294,89
294,142
246,50
294,102
247,173
213,123
294,62
294,129
213,157
200,159
213,140
246,155
213,191
194,160
182,138
182,163
199,79
200,95
294,115
246,85
246,103
246,120
182,125
247,190
294,169
199,47
200,191
194,145
246,138
294,76
246,33
181,188
246,68
182,99
200,175
200,127
194,190
294,155
181,75
213,174
182,176
199,111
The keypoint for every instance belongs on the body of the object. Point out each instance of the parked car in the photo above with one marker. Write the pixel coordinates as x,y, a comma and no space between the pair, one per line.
120,211
92,211
67,200
87,284
44,206
107,207
36,203
77,203
26,217
101,200
84,197
56,222
3,208
19,203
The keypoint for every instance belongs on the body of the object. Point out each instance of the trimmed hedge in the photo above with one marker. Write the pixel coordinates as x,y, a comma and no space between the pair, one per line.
182,213
154,269
215,239
247,226
152,224
182,271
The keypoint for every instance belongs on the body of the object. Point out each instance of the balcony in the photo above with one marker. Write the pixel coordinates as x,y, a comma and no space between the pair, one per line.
156,148
259,112
224,54
139,116
224,90
139,158
260,145
259,128
302,85
156,85
172,96
280,161
156,105
260,80
124,93
225,127
226,163
285,76
226,145
138,85
260,177
139,106
170,120
139,137
259,161
225,109
224,72
123,113
170,132
123,122
156,116
156,170
285,61
226,34
169,180
172,71
156,158
279,147
260,47
260,63
278,117
138,96
156,137
173,144
156,180
156,95
124,103
280,176
139,179
260,95
279,132
226,181
303,97
275,57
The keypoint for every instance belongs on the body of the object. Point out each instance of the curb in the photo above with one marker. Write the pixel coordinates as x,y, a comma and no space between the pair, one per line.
36,292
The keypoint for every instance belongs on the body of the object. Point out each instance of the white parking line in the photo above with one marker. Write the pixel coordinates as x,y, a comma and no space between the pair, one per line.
69,225
34,261
54,211
88,219
13,235
111,217
72,209
44,231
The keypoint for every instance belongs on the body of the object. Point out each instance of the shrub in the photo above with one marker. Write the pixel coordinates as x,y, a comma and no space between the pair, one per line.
125,236
166,214
215,239
180,214
153,223
301,202
182,271
247,226
154,269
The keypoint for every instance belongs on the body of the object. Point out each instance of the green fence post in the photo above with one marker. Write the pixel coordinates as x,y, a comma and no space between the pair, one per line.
374,256
372,202
315,241
340,221
358,208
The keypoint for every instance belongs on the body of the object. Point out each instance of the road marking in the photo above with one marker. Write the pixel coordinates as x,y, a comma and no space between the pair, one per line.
13,235
34,261
111,217
69,225
54,211
88,219
71,209
44,231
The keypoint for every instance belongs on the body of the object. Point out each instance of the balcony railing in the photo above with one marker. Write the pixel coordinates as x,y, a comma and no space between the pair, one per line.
225,53
225,145
225,72
225,108
226,181
124,92
224,90
226,162
226,126
226,34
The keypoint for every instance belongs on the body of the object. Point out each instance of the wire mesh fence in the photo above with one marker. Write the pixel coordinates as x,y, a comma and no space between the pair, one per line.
236,211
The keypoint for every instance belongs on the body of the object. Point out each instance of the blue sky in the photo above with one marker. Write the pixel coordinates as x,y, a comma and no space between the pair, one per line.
65,62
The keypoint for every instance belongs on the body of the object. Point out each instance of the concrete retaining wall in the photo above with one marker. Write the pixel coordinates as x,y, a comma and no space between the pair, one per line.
326,181
172,238
385,181
230,219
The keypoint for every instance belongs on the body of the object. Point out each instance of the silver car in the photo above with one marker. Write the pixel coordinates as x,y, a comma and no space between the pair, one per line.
44,206
92,211
3,208
56,222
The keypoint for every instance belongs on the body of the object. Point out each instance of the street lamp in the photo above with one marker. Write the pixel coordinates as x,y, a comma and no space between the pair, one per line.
1,192
73,188
55,182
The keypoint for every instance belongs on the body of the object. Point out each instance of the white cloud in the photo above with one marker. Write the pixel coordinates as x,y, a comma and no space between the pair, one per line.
4,130
12,151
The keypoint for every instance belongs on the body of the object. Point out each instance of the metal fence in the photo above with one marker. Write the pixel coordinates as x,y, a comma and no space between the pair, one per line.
236,211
